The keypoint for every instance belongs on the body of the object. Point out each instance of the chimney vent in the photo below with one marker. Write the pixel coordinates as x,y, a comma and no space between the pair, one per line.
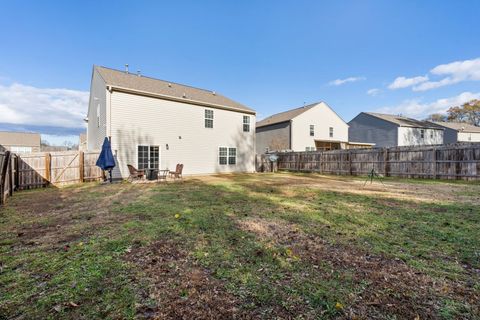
126,68
184,95
214,93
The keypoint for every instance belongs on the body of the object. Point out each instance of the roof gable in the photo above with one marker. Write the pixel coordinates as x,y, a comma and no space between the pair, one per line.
187,94
284,116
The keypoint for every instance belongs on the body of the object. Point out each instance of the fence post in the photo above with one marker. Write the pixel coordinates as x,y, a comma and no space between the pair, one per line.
15,167
434,162
350,162
385,162
81,165
3,173
48,168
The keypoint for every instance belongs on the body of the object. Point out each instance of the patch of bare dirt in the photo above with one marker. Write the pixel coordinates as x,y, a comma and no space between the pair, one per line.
392,287
57,217
179,288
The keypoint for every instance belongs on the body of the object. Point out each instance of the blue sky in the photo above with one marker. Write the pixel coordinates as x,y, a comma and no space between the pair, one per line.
269,55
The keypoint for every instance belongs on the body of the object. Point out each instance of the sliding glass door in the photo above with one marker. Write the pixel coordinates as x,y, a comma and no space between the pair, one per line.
148,157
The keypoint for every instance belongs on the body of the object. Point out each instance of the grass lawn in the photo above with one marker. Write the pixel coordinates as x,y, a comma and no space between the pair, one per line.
264,246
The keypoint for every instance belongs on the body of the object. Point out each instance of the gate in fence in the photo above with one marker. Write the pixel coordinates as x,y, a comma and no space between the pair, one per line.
37,170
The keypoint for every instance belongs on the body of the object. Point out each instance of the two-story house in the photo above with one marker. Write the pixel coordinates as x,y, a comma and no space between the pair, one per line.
309,128
156,124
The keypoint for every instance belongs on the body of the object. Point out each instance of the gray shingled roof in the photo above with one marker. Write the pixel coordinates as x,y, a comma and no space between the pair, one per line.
404,121
131,81
284,116
459,126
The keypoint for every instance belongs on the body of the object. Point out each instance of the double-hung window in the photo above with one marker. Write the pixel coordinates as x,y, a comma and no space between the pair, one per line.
148,157
422,133
208,118
246,124
98,115
312,130
227,156
330,132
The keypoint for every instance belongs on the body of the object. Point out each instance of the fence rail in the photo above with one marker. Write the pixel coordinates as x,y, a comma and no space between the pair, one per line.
455,161
38,170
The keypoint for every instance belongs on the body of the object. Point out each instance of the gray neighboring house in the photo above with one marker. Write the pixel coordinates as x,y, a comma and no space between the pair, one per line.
20,142
387,130
459,132
309,128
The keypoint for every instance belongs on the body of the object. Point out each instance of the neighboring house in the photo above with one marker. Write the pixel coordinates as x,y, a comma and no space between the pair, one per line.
82,141
156,124
20,142
312,127
459,132
386,130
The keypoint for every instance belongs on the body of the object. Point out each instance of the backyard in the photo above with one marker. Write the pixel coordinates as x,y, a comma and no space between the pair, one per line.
264,246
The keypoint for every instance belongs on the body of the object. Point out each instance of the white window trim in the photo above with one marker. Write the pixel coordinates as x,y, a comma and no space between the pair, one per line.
205,118
148,145
311,129
228,156
246,123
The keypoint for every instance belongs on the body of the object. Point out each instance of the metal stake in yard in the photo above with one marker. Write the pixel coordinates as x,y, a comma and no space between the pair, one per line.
371,175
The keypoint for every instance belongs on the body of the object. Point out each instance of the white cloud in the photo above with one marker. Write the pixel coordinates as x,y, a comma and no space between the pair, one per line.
417,109
402,82
373,92
455,72
22,104
339,82
450,73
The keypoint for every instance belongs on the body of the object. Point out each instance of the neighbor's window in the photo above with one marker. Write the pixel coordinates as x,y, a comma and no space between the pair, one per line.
208,118
312,130
431,134
422,133
16,149
227,156
246,124
98,115
330,130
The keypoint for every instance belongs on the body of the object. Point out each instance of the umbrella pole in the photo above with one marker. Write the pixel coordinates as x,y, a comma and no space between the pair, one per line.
110,172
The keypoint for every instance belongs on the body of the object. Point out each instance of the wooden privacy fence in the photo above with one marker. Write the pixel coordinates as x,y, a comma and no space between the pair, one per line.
454,161
36,170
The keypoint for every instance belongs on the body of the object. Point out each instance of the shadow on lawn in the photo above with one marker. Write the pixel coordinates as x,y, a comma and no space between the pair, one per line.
197,250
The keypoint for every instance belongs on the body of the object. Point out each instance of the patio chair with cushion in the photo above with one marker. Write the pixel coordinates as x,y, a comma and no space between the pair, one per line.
135,173
177,174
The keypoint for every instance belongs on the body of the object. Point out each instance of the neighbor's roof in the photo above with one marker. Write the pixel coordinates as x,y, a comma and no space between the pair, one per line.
21,139
404,121
459,126
284,116
121,79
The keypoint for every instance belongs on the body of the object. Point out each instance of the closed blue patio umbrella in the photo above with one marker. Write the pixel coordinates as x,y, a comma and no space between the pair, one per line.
106,161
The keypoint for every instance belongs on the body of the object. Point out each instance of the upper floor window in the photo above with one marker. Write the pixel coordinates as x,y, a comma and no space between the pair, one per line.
98,115
312,130
208,118
431,134
246,124
330,132
422,133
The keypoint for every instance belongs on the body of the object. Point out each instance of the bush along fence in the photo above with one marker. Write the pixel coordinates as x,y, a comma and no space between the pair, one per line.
38,170
454,161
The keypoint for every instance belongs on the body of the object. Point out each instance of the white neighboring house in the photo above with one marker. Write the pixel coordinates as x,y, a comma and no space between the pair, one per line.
156,124
309,128
459,132
387,130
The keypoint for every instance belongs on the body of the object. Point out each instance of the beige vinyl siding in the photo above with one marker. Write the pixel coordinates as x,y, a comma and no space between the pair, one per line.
95,134
468,137
140,120
322,117
408,136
